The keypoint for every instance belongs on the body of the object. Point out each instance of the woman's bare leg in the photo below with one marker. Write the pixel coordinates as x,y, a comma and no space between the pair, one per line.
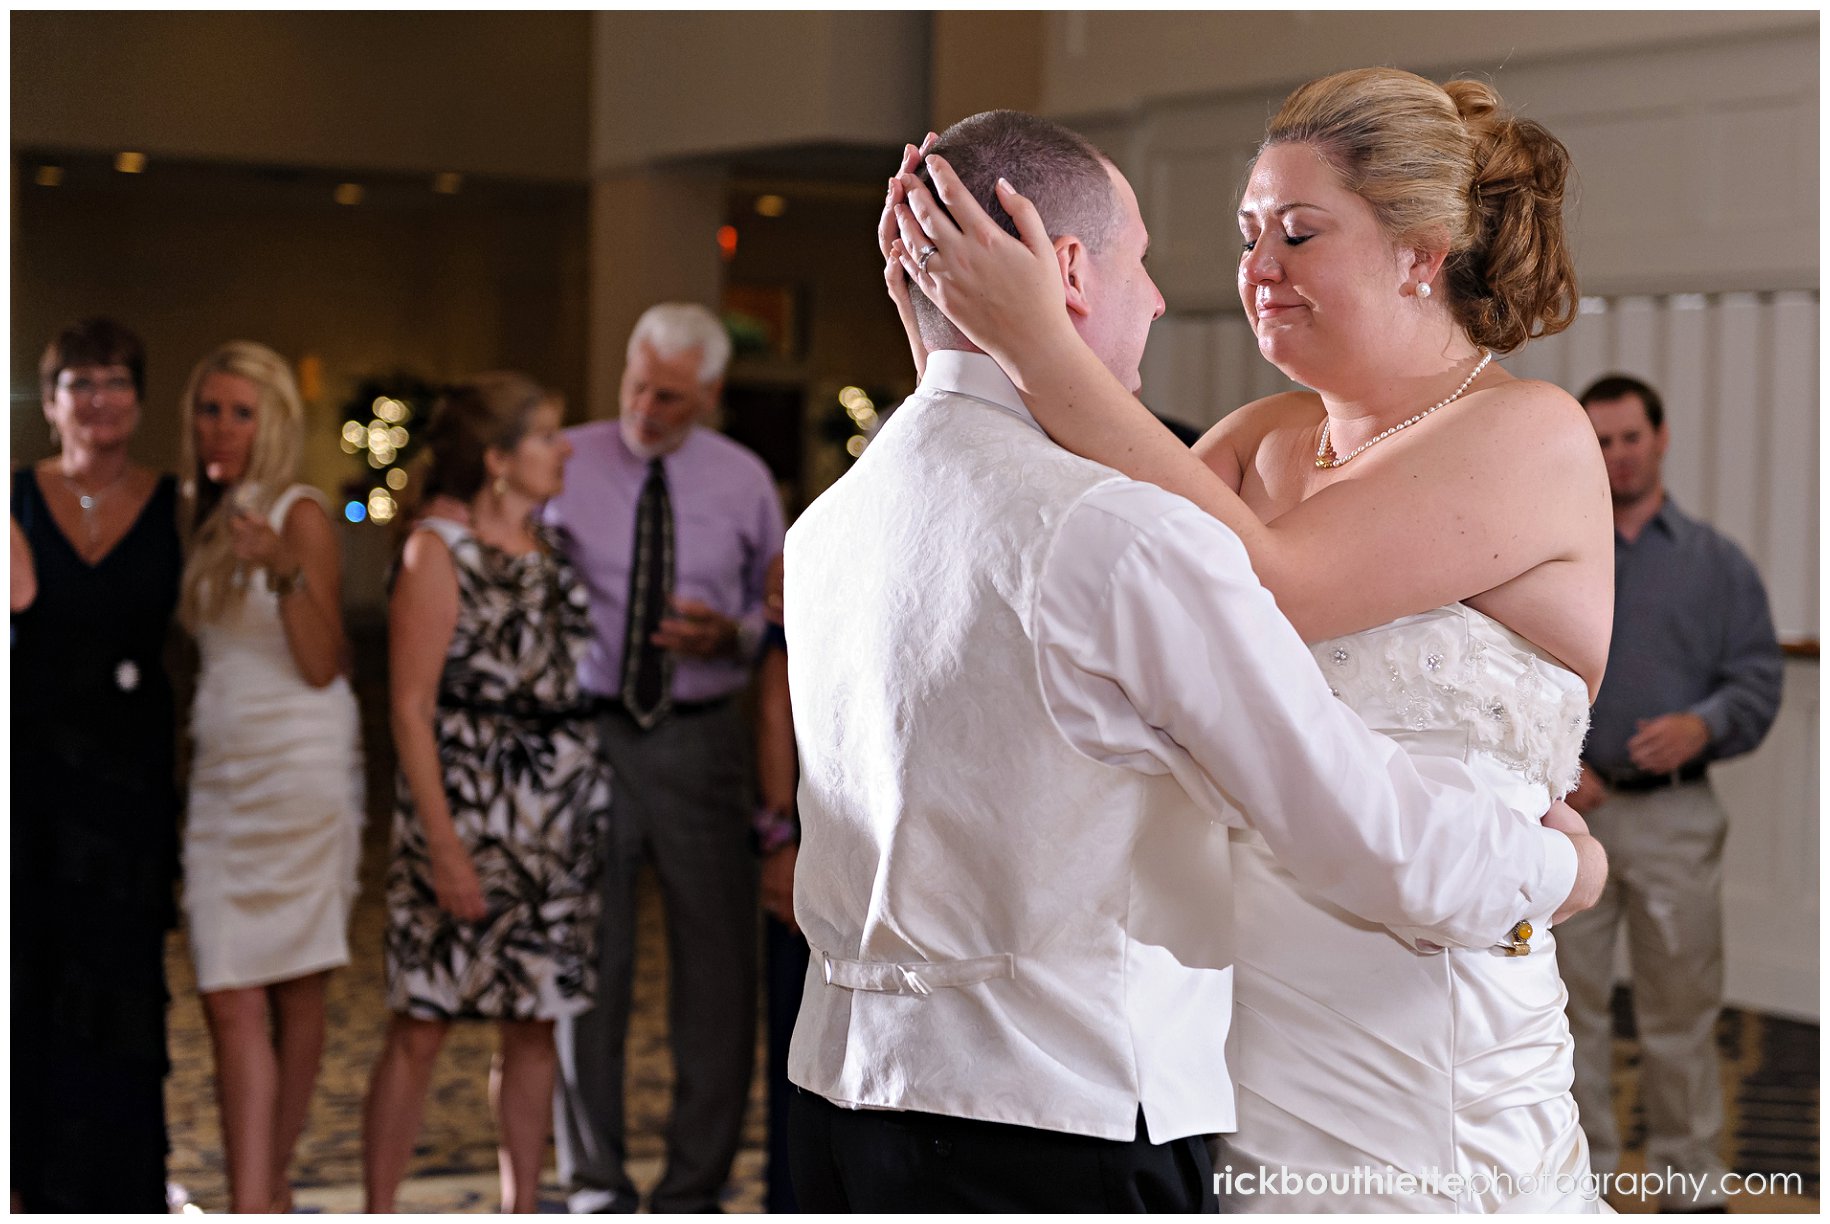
521,1088
298,1039
396,1105
247,1085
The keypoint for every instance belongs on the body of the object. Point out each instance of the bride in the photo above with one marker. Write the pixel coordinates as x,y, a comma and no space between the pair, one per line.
1439,532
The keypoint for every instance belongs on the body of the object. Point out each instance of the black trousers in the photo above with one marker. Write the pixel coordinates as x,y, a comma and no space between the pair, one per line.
785,972
883,1160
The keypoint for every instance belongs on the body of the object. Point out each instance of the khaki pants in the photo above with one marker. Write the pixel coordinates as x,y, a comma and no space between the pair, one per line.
1665,884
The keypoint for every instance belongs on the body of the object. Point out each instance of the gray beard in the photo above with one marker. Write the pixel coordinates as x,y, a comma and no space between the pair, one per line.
640,449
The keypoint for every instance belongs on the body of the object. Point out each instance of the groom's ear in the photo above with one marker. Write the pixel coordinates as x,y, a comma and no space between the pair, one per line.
1076,274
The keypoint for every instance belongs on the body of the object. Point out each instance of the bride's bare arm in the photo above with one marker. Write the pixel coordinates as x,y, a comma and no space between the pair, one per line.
1231,446
1494,496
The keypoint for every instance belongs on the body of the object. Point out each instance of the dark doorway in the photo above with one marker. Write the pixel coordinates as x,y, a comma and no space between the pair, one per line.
767,419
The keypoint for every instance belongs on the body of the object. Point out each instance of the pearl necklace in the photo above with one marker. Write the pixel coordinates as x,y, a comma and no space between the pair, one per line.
1324,453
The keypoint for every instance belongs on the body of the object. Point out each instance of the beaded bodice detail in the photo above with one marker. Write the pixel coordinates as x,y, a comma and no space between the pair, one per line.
1456,671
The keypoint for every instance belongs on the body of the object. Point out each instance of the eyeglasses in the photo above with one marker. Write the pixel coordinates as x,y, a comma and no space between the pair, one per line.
82,386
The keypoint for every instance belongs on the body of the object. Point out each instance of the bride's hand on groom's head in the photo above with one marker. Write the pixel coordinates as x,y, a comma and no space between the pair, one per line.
886,223
1002,293
895,281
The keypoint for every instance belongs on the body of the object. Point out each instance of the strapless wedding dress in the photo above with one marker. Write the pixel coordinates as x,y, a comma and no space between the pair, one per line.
1361,1054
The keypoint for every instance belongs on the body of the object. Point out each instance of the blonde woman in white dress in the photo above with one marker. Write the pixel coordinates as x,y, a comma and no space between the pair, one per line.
1438,530
271,838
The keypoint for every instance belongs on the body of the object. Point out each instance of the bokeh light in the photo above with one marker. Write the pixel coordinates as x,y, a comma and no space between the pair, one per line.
381,505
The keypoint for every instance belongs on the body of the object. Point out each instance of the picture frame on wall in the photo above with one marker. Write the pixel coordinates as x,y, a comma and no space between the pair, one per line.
764,321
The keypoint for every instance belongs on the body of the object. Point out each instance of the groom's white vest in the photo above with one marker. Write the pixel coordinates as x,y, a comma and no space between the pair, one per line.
1001,928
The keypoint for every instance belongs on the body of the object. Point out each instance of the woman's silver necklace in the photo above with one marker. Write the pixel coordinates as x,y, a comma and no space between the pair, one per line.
89,500
1324,453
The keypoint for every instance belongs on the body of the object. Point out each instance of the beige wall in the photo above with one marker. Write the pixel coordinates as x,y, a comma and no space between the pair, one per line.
480,93
685,84
986,61
1114,61
653,239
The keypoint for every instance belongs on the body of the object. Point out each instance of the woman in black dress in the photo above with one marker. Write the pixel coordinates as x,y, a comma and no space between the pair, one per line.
94,834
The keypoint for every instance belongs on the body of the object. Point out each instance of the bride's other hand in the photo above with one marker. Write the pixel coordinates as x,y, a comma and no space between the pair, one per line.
1007,296
1591,877
1565,819
1591,861
894,279
1590,793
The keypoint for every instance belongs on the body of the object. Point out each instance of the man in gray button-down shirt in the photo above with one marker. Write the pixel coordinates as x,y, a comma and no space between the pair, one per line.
1693,677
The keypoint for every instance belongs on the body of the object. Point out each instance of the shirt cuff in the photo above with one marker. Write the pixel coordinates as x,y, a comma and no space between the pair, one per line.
1715,716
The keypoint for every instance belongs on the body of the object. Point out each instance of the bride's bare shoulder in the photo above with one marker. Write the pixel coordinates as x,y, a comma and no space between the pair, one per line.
1530,413
1539,395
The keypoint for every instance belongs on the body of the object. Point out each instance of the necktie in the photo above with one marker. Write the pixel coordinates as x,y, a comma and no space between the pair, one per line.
648,670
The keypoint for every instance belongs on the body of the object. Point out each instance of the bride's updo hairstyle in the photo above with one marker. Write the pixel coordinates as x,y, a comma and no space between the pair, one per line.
1450,164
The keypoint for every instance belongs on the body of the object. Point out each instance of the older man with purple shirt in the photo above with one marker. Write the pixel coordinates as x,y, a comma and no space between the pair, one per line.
673,527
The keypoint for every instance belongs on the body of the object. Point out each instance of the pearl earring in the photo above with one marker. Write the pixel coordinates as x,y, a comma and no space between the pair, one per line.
501,485
1423,289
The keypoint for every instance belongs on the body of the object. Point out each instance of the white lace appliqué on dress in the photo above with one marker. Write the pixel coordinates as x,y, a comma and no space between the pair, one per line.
1455,667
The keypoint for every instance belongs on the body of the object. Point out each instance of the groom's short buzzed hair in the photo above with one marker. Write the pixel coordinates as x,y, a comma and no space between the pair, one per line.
1059,171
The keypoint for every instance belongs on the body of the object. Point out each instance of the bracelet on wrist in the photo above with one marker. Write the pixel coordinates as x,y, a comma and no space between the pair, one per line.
773,828
283,585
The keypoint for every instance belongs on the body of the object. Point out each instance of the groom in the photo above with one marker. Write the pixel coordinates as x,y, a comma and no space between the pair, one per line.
1030,697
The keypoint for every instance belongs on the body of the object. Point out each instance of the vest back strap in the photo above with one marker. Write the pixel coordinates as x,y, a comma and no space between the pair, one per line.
916,977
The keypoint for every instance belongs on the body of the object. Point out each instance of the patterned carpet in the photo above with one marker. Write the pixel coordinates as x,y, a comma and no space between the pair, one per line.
1770,1078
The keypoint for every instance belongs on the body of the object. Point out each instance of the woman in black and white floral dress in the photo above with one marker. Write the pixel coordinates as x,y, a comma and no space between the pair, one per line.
492,899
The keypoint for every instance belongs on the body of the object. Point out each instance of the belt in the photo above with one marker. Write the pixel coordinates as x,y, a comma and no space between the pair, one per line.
915,977
1631,780
679,709
546,717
